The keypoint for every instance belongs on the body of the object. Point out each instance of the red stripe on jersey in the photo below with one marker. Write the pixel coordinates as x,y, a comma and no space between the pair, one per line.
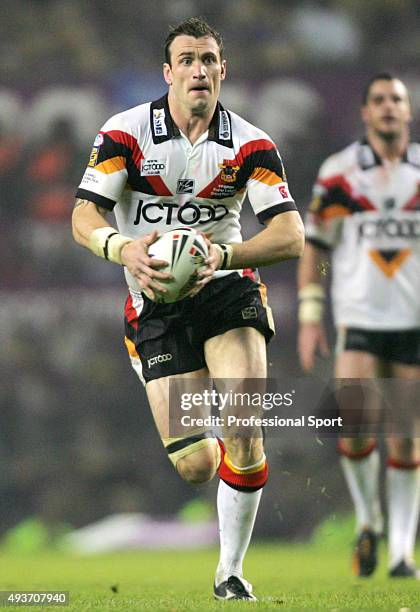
250,147
413,202
340,181
131,313
208,190
250,273
129,141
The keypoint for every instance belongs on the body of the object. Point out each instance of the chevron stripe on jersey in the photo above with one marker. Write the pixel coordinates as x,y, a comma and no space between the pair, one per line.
140,157
368,212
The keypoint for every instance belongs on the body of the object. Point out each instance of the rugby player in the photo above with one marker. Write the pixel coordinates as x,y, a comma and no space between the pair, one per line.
366,212
184,160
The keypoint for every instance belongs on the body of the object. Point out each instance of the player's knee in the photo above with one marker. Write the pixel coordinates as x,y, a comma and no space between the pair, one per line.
198,467
356,448
403,452
244,451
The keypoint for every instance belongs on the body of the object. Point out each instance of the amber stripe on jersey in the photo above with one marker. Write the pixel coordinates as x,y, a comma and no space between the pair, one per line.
111,165
131,348
389,261
266,176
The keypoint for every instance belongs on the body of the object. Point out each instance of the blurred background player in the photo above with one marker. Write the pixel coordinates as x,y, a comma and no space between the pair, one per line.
366,211
185,160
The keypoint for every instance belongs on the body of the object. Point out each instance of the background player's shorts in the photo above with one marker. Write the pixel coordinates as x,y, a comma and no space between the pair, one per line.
168,339
398,346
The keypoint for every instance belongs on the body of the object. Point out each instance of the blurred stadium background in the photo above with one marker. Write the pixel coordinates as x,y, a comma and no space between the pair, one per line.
77,442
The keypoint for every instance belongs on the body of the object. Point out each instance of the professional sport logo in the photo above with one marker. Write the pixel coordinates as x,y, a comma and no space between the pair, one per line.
229,171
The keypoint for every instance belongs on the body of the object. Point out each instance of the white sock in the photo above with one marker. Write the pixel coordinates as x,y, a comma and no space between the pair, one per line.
237,512
403,492
362,477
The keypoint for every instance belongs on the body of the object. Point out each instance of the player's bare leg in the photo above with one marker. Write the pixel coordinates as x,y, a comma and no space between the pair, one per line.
361,466
403,483
238,354
195,461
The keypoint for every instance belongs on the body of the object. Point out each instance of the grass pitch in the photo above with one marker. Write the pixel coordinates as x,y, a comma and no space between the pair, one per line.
285,577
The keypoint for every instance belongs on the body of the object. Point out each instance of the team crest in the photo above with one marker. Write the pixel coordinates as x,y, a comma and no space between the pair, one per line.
229,171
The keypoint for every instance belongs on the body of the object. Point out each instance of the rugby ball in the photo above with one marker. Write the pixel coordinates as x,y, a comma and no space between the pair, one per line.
185,250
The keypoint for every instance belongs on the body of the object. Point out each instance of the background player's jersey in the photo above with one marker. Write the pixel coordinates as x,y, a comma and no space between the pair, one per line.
368,211
142,165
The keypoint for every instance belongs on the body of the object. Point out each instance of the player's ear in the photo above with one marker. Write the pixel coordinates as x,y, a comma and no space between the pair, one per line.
167,73
223,71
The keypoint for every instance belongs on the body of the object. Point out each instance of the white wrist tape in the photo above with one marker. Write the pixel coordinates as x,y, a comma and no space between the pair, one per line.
107,242
226,253
311,303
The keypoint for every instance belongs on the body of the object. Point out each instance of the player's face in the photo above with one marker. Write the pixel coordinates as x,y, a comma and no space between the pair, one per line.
387,110
195,73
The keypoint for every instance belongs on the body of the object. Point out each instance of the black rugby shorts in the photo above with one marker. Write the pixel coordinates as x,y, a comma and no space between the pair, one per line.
169,338
398,346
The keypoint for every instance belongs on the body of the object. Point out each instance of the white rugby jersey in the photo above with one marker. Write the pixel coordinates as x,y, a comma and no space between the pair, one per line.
144,166
367,210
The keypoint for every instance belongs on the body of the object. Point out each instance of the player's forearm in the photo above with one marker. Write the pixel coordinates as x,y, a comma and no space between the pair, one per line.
92,231
87,217
282,239
311,266
311,274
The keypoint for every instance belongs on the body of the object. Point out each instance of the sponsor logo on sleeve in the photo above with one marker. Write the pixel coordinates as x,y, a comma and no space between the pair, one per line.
284,192
93,159
152,167
159,125
185,186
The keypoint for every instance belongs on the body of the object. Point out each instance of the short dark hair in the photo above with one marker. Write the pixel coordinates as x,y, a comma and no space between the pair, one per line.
194,26
380,76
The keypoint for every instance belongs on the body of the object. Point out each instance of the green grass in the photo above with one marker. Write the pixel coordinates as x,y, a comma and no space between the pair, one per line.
285,577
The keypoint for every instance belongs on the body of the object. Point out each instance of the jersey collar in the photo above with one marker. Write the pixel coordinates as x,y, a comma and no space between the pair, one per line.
163,127
368,158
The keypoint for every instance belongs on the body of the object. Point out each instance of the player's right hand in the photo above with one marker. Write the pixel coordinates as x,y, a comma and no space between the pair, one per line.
311,338
144,268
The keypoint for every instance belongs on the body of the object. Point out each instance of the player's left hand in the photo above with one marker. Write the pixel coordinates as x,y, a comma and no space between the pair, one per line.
212,262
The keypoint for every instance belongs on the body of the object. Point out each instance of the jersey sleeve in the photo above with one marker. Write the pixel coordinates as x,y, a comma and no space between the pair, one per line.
267,187
106,174
324,218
